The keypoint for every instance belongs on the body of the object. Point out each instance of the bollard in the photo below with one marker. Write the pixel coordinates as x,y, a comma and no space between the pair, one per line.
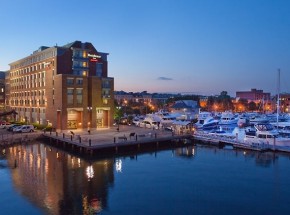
63,135
50,132
71,137
90,143
80,140
136,137
114,139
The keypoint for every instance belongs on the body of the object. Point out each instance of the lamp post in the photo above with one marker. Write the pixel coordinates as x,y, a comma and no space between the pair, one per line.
89,108
118,115
125,103
58,119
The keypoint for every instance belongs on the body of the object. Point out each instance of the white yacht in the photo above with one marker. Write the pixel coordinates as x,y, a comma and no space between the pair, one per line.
210,123
258,119
228,118
283,128
202,117
266,134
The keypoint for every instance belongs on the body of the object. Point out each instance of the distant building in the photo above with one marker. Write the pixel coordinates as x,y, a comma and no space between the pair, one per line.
66,87
187,107
203,101
253,95
285,102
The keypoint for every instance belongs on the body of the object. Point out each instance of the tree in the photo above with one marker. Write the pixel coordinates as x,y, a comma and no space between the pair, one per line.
242,105
252,106
225,101
210,103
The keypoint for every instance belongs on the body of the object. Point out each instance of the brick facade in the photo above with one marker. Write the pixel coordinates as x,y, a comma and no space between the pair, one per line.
66,87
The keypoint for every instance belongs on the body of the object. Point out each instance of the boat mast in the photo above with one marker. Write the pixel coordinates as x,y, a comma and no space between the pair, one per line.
278,97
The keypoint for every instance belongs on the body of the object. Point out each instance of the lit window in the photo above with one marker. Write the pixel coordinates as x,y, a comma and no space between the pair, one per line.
79,93
69,81
70,94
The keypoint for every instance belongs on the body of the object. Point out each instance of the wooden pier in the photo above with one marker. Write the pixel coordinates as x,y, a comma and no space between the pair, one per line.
112,142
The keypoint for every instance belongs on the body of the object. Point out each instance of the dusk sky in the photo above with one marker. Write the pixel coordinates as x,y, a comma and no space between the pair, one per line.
197,46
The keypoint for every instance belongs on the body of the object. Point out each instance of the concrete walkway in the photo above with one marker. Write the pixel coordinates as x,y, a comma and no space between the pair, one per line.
112,135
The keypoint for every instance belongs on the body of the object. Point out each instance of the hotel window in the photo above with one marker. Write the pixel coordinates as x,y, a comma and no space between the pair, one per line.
99,69
79,92
70,96
79,81
76,63
84,64
76,53
105,101
69,81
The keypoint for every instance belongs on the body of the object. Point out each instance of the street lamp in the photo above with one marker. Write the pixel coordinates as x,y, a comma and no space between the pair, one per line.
118,108
90,117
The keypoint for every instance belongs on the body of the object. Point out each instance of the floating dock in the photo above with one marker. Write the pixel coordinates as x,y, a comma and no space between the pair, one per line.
216,139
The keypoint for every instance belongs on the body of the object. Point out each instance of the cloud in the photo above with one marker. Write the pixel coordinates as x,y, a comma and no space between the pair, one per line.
164,79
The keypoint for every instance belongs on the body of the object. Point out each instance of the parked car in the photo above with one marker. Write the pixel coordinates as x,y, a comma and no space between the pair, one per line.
24,129
11,127
4,125
148,124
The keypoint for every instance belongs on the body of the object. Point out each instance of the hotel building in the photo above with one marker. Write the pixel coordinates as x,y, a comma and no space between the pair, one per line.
66,87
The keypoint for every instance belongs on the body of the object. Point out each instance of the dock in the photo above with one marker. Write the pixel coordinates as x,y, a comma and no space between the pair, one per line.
128,138
218,139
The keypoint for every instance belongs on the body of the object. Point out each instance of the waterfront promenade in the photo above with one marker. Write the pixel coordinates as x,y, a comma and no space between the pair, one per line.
112,139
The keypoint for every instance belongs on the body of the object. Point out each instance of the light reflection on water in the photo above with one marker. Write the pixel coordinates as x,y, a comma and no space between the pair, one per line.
194,179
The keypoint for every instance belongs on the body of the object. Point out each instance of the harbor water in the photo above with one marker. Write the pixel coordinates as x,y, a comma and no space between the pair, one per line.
39,179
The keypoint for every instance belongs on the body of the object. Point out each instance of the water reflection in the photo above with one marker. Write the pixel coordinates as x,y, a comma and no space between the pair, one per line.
265,159
60,183
186,152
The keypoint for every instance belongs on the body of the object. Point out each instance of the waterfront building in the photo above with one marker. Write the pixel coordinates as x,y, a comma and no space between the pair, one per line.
285,102
125,97
2,90
203,101
66,87
188,108
253,95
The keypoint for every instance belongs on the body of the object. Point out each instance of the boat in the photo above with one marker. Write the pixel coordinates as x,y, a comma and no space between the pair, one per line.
266,133
228,118
202,117
243,121
258,119
210,123
283,128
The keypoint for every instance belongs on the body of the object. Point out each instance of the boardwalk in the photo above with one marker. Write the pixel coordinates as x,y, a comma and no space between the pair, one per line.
111,139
